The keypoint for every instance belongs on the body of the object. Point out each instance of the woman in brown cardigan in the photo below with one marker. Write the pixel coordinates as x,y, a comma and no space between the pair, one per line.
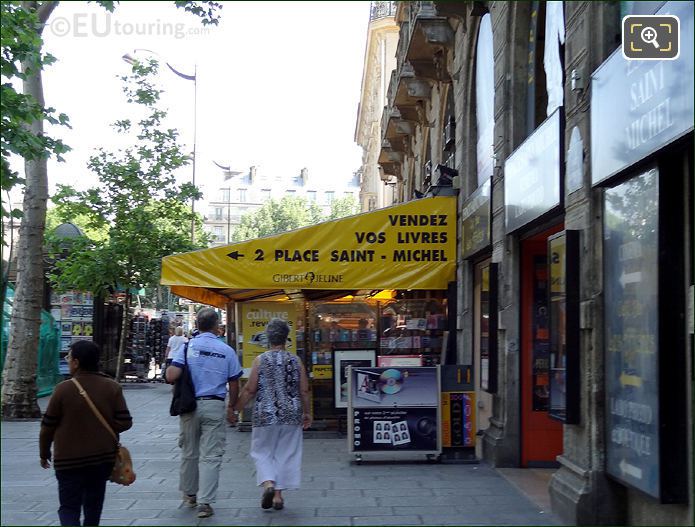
83,450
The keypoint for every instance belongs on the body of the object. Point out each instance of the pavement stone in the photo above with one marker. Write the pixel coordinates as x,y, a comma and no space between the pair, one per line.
335,490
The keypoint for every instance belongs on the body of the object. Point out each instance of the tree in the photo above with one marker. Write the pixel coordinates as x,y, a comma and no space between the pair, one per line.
342,207
24,48
137,201
277,216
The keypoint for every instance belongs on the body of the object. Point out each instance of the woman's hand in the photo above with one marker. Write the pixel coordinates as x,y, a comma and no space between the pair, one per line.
45,463
306,421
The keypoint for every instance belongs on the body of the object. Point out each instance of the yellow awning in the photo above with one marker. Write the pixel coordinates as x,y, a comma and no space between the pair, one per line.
407,246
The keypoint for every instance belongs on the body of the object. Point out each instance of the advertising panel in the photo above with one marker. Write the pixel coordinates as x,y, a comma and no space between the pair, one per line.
532,175
631,267
394,387
392,429
408,246
648,103
255,317
394,409
458,419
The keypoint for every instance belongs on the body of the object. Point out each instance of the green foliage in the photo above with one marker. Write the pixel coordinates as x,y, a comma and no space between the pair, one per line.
20,39
137,202
62,214
342,207
289,213
277,216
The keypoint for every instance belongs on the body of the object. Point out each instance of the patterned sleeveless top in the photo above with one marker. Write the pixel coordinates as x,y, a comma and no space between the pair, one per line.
278,401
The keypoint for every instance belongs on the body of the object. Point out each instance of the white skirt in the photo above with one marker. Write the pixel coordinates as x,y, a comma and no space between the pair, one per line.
277,452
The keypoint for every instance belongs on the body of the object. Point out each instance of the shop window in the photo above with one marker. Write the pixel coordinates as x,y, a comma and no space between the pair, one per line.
415,327
536,94
485,100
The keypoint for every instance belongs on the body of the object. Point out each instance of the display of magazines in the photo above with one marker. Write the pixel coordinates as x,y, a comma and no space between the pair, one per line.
74,312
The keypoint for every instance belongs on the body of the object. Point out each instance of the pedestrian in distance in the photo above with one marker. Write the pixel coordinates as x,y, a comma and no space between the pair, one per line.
175,343
281,410
84,451
214,369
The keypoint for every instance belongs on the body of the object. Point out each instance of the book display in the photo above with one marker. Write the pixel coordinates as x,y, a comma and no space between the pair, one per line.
74,312
414,327
335,327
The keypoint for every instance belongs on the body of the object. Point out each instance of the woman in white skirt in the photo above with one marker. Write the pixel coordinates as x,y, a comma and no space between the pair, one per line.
279,382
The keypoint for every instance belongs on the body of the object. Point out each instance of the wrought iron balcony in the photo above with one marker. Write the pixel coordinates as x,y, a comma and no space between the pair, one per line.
379,10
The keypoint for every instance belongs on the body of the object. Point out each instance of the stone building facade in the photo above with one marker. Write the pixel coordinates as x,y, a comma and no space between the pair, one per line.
379,62
572,166
240,193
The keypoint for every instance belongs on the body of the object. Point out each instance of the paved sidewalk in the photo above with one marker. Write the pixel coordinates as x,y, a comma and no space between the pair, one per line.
334,490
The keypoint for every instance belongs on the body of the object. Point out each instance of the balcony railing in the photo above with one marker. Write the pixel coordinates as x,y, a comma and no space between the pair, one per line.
379,10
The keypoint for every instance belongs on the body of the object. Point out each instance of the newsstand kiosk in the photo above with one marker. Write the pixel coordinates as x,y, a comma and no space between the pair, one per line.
366,291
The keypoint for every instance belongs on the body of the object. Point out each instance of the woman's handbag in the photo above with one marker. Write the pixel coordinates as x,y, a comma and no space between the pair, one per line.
122,472
183,401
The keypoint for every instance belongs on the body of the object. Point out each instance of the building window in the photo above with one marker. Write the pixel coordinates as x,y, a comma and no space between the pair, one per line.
311,196
348,194
225,195
218,213
218,234
242,195
265,194
330,197
485,100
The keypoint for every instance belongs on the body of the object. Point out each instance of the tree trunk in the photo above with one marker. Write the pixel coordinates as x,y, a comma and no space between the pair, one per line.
124,335
19,375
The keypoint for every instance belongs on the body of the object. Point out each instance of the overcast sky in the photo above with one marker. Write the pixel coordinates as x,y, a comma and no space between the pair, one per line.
278,82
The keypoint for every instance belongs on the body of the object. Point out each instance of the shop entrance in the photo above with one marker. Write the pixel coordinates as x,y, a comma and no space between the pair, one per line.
541,436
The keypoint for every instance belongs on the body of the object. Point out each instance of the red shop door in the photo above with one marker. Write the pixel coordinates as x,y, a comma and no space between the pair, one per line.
541,436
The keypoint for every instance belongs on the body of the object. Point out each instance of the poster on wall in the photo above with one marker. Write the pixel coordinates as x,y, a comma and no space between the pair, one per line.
255,317
341,360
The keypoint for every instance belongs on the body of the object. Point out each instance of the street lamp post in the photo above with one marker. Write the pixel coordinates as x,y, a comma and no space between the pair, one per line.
130,60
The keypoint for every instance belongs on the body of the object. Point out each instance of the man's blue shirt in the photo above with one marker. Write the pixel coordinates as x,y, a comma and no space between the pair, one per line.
212,364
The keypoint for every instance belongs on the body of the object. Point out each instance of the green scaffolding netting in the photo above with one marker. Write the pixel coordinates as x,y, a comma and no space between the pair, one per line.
47,370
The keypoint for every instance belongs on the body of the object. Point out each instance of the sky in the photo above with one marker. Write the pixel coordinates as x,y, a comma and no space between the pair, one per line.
278,83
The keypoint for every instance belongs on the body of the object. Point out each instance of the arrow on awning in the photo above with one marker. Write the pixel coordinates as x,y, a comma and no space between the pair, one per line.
235,255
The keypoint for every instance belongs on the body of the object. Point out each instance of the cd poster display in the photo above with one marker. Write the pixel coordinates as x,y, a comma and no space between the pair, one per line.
394,409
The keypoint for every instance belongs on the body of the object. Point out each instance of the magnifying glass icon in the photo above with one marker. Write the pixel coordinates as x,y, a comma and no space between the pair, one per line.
648,35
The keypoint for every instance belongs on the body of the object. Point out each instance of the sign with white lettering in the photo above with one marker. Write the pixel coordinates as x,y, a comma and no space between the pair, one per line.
532,175
630,249
408,246
639,106
475,221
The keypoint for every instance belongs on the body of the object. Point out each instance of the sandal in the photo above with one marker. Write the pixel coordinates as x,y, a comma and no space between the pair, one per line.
278,505
267,499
